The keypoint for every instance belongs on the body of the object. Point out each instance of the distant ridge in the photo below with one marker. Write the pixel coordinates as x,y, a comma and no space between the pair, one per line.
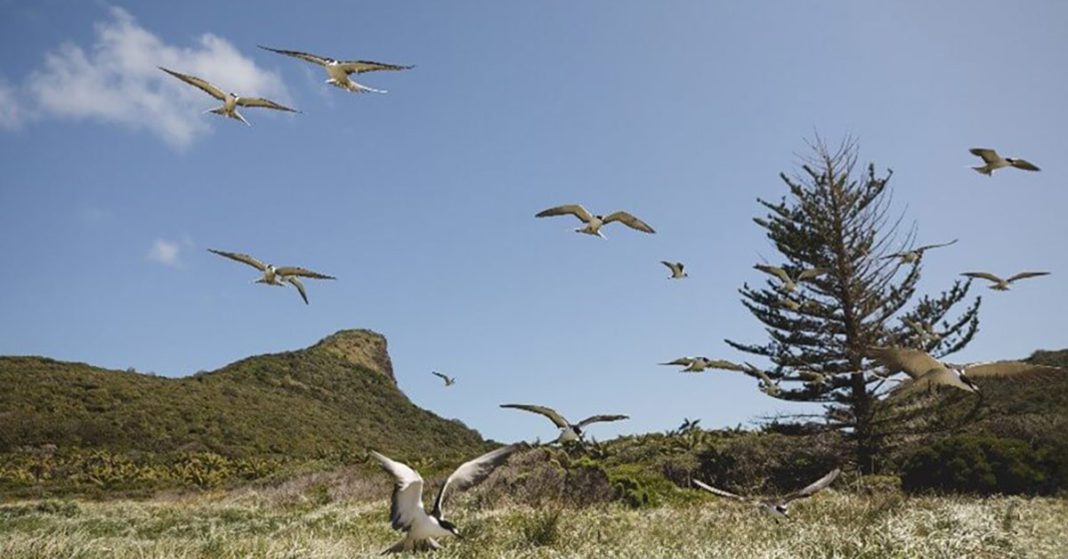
337,397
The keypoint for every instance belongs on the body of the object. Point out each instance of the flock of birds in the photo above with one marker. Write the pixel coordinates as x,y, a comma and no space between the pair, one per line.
407,512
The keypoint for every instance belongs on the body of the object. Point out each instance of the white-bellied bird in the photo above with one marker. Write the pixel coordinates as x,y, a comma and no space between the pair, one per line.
340,70
699,364
678,269
406,512
594,223
569,432
927,372
1002,284
912,255
231,101
776,507
449,381
276,276
992,161
789,283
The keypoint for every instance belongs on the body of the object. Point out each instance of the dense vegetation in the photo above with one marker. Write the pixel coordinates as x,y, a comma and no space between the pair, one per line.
68,428
71,426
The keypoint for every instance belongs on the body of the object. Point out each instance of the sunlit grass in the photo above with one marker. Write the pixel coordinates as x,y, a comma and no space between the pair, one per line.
831,525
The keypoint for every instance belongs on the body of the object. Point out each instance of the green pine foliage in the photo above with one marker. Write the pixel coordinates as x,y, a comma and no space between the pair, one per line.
836,219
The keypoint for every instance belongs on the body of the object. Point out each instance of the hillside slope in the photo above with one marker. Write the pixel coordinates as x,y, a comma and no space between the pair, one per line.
333,399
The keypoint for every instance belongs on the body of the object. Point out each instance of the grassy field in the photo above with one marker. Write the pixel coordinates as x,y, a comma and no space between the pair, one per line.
258,524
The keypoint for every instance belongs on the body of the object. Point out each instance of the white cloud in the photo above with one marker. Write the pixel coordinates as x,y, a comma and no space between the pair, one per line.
10,112
117,80
166,252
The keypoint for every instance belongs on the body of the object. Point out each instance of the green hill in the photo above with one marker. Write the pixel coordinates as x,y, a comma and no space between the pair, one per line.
328,402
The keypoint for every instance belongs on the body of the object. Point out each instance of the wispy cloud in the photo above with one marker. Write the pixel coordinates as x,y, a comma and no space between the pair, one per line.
168,252
10,112
117,80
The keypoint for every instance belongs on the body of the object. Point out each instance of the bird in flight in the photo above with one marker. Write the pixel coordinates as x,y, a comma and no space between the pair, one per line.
340,70
593,223
406,512
992,161
910,256
700,364
927,372
276,276
1000,284
449,381
569,432
776,507
789,283
677,269
231,101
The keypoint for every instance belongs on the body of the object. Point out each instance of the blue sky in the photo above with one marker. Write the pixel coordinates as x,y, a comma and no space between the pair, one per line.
421,201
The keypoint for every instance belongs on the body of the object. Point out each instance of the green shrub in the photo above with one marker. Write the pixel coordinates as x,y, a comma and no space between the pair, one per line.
982,464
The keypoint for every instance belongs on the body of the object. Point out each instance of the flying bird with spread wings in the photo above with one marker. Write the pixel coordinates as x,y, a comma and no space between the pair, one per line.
700,364
340,70
449,381
789,282
276,276
406,512
231,101
927,372
913,255
992,162
594,223
678,269
569,432
776,507
1000,284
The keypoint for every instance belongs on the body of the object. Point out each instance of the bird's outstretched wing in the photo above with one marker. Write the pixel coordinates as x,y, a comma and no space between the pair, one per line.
673,266
441,376
263,103
1013,369
305,56
775,271
243,258
719,492
1024,164
407,497
983,275
929,247
202,84
472,473
361,66
913,362
1025,275
302,272
572,209
556,418
300,287
686,361
630,221
600,419
813,488
988,155
726,365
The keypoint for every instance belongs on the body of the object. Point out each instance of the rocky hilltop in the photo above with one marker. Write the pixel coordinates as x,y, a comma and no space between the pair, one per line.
337,397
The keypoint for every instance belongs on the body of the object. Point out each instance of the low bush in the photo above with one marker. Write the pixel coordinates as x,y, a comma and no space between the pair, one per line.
985,465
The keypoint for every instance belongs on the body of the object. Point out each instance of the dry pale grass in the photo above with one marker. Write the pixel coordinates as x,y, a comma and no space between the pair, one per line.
830,525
